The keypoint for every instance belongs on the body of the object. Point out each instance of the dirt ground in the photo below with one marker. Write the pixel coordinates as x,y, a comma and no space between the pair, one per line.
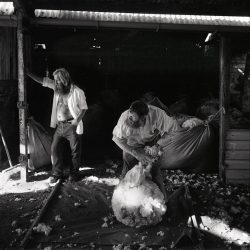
226,204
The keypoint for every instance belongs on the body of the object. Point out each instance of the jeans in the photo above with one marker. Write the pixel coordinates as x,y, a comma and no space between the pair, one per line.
66,131
130,161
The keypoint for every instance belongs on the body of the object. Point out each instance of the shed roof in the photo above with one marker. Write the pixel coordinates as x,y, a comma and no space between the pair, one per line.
188,7
212,15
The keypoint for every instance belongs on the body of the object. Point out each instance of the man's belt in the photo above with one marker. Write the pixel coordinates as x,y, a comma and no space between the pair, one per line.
66,121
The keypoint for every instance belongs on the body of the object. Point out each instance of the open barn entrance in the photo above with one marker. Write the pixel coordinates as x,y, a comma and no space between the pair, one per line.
187,71
115,67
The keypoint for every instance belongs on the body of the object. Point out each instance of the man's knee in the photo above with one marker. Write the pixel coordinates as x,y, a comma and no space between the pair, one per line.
156,171
55,145
75,144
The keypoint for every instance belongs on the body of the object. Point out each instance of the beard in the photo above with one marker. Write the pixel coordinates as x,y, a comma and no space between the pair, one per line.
62,89
133,124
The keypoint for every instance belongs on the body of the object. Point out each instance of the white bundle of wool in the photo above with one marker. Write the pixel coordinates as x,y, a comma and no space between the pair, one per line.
192,122
137,200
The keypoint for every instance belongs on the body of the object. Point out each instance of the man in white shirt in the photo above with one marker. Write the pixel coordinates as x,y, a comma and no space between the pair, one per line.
69,107
139,126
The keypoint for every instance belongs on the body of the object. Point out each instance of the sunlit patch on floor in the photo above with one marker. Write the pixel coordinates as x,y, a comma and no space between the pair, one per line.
19,187
85,168
107,181
220,229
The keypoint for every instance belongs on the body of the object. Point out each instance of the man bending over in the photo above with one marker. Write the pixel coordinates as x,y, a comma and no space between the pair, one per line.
139,126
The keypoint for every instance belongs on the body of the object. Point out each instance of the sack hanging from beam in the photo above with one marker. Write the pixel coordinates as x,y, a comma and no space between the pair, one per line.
194,150
39,144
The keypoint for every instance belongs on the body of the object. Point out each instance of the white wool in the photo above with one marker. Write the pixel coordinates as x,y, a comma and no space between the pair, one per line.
137,200
192,122
42,228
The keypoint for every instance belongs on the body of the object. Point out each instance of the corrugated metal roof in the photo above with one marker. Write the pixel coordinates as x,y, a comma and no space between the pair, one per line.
145,18
187,7
6,8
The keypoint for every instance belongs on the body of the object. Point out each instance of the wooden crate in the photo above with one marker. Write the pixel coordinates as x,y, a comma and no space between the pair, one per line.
237,156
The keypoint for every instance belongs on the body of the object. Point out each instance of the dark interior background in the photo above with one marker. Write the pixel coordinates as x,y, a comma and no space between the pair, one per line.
115,67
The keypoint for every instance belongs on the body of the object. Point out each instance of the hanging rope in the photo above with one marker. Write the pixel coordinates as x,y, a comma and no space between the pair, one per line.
222,109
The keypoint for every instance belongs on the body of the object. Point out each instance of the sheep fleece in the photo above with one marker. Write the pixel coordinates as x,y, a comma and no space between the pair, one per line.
137,200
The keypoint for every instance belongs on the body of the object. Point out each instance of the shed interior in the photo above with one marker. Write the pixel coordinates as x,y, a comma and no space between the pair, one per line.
116,66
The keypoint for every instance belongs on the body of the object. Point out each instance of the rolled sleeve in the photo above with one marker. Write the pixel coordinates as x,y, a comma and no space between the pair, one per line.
49,83
82,100
117,132
119,129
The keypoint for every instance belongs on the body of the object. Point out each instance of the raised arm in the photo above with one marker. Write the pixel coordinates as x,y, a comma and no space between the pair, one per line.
35,77
44,81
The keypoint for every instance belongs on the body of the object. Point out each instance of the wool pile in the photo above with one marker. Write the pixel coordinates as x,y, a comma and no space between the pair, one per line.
137,201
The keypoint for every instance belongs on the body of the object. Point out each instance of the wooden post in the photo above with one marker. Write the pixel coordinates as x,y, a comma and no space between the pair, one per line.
22,105
246,87
224,89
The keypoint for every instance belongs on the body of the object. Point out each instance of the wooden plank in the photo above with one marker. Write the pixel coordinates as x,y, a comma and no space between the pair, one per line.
7,53
237,145
22,95
8,21
135,25
238,174
246,87
238,181
41,213
224,69
237,155
238,135
237,165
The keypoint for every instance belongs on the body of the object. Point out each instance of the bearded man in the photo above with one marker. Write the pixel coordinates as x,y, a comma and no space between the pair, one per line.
68,109
140,126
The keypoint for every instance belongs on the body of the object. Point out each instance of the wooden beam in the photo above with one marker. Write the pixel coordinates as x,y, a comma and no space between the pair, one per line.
11,21
20,7
41,213
246,87
224,93
8,21
186,7
135,25
22,95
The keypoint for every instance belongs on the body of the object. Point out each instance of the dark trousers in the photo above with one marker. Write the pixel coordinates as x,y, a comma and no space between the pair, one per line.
130,161
66,131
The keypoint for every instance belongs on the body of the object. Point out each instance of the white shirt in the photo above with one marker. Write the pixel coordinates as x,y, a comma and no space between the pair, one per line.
76,102
157,123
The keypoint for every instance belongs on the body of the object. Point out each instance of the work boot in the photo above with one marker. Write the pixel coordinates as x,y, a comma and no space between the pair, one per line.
53,180
73,177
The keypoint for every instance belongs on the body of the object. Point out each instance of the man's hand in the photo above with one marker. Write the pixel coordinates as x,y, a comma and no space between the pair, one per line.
142,157
154,151
74,122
